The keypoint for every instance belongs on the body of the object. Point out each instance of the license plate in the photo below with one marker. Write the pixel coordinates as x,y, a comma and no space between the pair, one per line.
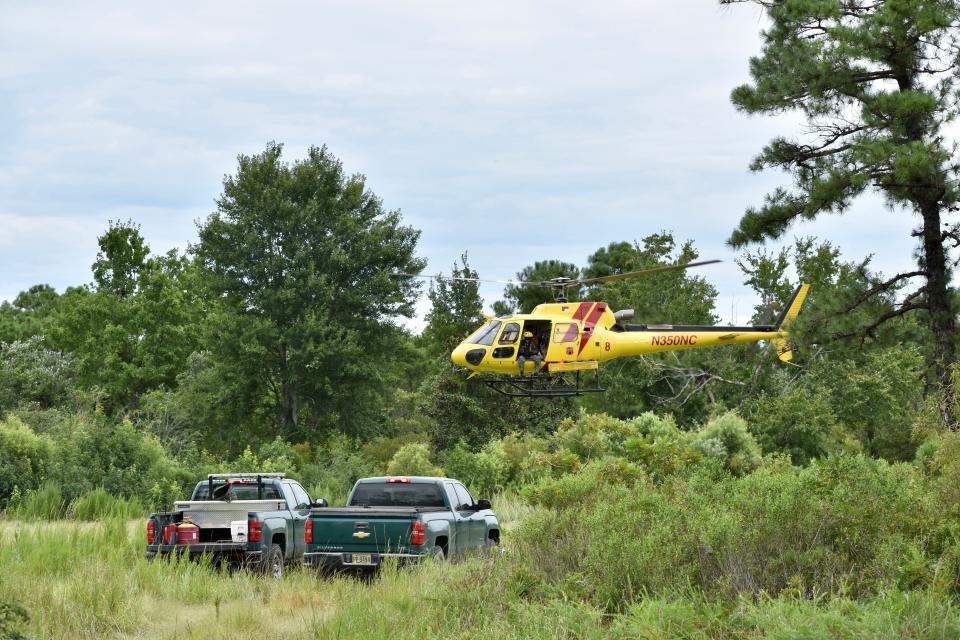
361,558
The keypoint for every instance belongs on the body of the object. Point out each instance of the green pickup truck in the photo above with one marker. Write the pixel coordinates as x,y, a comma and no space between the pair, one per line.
408,518
244,519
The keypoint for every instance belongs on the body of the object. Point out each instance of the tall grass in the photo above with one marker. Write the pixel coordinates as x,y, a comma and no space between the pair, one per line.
91,580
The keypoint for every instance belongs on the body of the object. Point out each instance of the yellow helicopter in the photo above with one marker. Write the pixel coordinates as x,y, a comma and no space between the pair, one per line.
544,353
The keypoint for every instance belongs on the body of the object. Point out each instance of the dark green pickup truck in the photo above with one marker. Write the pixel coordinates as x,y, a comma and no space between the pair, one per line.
245,519
407,518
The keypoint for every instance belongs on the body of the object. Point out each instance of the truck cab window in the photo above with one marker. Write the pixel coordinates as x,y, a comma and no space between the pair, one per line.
452,497
300,496
375,494
463,496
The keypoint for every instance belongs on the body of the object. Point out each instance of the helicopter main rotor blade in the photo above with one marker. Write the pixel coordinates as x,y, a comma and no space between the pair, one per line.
440,277
643,272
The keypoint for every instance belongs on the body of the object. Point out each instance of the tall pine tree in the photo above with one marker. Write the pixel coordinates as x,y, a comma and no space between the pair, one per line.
876,83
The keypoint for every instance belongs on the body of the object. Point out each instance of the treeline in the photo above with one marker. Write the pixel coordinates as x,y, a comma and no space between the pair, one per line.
277,337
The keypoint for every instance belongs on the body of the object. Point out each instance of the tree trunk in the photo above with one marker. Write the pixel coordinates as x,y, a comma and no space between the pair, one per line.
290,408
942,322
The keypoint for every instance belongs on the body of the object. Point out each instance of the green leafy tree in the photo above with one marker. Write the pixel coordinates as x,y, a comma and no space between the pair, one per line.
522,298
32,373
300,259
30,314
617,257
876,84
121,259
683,382
456,309
134,329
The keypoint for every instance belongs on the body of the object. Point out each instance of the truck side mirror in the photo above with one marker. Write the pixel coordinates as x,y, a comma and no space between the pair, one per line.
319,503
482,504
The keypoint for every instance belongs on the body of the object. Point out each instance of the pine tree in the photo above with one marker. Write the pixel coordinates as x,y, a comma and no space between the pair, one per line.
876,83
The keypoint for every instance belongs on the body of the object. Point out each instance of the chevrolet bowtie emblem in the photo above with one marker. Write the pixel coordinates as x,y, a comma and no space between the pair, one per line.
361,534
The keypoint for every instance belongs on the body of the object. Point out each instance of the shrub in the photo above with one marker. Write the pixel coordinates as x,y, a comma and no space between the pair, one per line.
848,525
726,438
945,466
13,618
25,458
518,448
660,447
32,373
93,451
413,460
338,465
593,435
484,472
798,422
592,483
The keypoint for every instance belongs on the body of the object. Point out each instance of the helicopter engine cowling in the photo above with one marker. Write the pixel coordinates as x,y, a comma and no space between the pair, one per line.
623,314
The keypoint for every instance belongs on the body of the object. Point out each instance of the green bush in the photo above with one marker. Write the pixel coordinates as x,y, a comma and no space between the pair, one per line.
798,422
413,460
660,447
484,472
848,525
25,458
591,483
31,373
593,435
519,449
727,438
337,466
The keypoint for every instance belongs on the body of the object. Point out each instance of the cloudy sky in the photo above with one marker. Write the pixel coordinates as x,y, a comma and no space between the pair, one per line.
517,131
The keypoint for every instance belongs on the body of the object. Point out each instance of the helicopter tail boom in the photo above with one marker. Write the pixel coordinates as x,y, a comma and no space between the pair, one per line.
634,340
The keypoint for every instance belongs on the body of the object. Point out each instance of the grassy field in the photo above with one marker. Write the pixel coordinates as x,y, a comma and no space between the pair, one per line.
90,580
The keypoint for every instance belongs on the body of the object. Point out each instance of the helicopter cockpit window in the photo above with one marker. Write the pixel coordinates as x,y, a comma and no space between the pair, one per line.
510,333
485,334
565,332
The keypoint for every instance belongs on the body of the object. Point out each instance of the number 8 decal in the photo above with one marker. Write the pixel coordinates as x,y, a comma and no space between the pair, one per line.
606,346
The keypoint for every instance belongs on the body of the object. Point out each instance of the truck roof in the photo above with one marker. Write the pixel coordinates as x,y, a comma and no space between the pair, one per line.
406,479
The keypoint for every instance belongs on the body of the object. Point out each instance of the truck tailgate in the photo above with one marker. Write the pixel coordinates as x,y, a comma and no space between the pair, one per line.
363,529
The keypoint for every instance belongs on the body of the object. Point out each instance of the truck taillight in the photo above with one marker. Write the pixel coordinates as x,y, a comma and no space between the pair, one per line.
308,532
254,530
419,535
151,531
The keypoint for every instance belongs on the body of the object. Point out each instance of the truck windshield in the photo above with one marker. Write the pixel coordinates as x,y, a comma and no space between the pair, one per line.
396,495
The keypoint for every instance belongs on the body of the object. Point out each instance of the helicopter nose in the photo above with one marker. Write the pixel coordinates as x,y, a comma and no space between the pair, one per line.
459,356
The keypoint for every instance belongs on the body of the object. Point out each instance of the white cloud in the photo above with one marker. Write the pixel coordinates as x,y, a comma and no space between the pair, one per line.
517,131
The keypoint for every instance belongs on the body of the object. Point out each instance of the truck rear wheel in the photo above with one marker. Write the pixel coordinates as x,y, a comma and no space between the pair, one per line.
273,562
437,554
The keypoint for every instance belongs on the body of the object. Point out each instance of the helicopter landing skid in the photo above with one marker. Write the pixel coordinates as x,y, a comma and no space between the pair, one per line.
544,386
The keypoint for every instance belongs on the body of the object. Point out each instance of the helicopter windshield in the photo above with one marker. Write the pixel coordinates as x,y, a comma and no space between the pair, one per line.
485,334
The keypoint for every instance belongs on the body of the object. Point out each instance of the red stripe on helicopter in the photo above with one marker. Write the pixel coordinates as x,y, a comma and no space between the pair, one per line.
582,310
589,324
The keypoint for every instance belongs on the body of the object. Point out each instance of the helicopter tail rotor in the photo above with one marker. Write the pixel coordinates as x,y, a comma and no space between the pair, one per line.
783,344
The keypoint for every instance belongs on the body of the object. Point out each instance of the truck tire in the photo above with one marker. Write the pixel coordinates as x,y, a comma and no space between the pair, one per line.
437,554
273,562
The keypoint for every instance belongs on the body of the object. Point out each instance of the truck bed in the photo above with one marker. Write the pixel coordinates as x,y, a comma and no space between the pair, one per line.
217,514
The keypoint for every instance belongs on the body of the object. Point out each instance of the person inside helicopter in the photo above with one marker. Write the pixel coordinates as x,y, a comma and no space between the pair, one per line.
530,350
